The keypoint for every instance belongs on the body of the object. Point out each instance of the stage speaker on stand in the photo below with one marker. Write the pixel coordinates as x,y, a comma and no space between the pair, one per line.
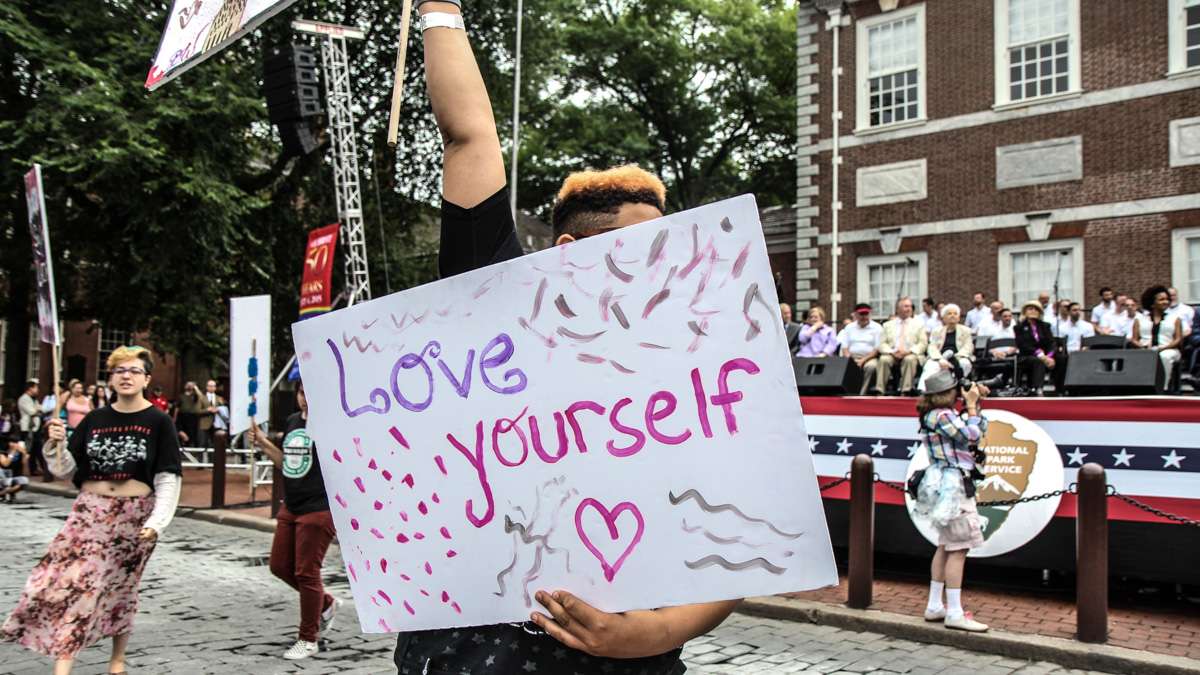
829,376
292,87
1114,372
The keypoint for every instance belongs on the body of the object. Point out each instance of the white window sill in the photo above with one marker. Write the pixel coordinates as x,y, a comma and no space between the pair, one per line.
883,128
1026,102
1194,71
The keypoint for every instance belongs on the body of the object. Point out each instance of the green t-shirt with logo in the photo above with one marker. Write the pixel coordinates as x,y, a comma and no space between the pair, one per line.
303,487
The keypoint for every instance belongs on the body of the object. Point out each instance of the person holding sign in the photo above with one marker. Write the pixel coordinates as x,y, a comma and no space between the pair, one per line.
303,527
945,493
568,635
125,460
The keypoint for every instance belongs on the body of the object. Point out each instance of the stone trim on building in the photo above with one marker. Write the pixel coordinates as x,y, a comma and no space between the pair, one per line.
808,24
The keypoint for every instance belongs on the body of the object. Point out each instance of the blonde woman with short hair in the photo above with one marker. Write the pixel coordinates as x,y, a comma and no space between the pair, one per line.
125,460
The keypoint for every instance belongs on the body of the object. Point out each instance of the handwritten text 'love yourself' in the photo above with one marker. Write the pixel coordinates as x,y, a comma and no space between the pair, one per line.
659,406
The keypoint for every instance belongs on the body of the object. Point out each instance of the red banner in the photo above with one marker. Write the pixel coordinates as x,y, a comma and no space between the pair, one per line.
318,271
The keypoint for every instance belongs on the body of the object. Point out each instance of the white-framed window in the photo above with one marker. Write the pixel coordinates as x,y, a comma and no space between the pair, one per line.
1037,49
1184,36
33,362
891,68
884,279
1025,270
1185,264
109,341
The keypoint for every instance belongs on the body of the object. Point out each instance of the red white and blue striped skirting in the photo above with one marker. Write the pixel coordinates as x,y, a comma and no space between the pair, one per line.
1149,446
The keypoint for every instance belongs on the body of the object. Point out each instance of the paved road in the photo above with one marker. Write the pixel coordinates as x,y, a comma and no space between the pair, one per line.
210,605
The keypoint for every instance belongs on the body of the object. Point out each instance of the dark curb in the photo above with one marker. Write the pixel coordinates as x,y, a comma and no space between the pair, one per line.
218,516
1068,653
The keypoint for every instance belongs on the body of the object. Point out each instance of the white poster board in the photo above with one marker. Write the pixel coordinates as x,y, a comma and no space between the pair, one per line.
616,417
249,361
197,29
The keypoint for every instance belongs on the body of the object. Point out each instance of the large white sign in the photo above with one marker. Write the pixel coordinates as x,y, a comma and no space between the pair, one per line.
1022,461
249,361
197,29
616,417
43,264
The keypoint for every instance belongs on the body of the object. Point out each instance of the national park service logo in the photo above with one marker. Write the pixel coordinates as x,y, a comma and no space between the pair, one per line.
1022,461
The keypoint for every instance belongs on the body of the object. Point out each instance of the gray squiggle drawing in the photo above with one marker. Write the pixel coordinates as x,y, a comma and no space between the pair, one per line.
718,539
540,542
504,572
693,494
710,560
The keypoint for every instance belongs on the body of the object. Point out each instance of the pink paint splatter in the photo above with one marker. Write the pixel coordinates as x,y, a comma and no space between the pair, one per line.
383,565
372,465
456,607
451,553
385,596
401,538
341,502
378,505
366,563
441,464
384,625
354,523
422,508
425,593
407,480
445,596
377,533
409,608
436,499
445,532
359,484
418,535
399,437
375,601
358,446
387,475
428,568
405,577
337,457
353,574
404,516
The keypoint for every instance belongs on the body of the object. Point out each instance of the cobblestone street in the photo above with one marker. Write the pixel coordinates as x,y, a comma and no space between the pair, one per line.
210,605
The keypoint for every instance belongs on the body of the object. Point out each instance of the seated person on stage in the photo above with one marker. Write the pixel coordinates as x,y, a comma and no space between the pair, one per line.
989,321
1156,329
860,341
817,339
952,337
1120,323
904,343
929,316
790,329
1002,330
1035,347
1184,311
566,634
1074,329
1108,305
1047,306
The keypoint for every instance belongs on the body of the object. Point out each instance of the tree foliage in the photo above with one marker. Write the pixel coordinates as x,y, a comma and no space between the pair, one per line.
164,204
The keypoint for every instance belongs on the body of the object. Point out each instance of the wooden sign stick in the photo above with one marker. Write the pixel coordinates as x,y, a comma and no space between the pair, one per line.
398,76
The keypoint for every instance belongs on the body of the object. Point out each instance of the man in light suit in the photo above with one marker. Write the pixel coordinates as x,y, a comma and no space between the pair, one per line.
904,342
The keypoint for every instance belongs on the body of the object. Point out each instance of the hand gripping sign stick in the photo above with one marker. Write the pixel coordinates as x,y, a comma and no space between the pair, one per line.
398,76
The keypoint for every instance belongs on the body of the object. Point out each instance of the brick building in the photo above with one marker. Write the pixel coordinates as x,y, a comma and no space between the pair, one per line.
983,144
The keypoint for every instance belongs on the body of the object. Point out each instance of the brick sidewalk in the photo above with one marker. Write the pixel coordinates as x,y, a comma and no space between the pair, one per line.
1175,632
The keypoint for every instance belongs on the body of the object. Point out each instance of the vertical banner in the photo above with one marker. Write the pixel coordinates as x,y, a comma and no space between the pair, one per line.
249,361
318,270
35,203
197,29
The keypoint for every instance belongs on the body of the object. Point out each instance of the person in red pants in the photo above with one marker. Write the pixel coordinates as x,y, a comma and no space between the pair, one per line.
303,527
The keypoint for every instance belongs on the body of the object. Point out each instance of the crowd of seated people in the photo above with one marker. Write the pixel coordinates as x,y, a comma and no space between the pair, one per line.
1025,347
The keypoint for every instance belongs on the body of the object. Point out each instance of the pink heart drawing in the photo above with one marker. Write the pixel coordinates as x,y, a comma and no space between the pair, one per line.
610,519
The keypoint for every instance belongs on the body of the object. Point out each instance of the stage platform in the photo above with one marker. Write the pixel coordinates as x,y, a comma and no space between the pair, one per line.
1149,447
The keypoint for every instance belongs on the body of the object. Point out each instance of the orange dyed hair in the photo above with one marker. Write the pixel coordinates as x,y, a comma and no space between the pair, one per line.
588,199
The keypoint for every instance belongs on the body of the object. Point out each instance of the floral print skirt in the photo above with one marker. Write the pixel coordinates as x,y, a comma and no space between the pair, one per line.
86,586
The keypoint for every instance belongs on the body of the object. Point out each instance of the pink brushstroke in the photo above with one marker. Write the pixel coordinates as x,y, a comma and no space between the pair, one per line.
384,625
383,594
740,262
387,475
456,607
401,538
341,502
436,499
354,523
358,446
404,516
358,482
547,341
372,465
353,574
620,368
378,505
425,593
337,457
590,358
405,577
375,531
428,569
409,608
418,535
451,553
445,596
399,437
407,480
445,532
441,464
383,565
422,508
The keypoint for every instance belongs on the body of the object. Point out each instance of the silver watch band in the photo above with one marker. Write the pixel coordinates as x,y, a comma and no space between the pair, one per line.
442,20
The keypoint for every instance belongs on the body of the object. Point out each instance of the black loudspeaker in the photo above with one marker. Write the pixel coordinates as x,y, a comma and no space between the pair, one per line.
830,376
292,87
1114,372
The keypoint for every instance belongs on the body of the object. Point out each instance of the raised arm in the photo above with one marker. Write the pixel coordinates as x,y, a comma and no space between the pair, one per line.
472,163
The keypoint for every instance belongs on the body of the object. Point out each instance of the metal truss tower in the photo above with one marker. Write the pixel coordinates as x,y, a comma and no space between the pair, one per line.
344,150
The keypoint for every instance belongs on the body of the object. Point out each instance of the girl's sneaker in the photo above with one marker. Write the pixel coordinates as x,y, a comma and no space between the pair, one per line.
301,650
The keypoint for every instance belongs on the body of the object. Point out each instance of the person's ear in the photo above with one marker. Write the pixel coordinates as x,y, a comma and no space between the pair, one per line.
563,238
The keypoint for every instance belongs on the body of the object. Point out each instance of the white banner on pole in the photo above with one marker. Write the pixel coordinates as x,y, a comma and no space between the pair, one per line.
197,29
616,417
43,264
249,361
